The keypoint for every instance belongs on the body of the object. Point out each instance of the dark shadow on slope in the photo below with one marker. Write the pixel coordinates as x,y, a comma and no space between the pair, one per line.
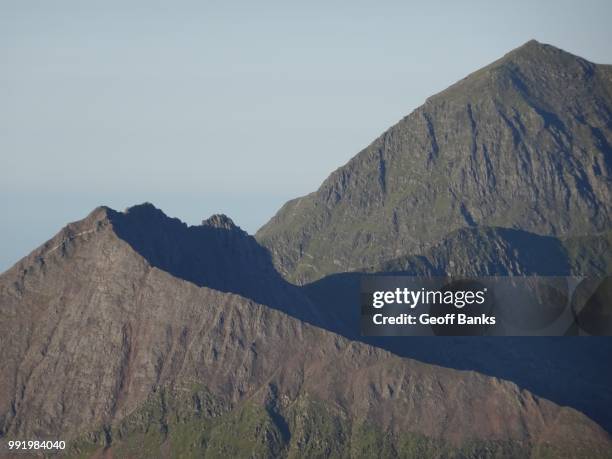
572,371
486,251
219,255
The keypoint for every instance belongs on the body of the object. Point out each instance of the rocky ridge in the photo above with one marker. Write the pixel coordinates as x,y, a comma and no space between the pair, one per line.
97,339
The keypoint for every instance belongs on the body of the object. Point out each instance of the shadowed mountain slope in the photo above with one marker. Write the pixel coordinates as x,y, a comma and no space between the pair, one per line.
524,143
96,339
216,254
486,251
570,370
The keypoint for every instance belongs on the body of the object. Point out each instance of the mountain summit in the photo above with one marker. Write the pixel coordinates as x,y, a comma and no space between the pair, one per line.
524,143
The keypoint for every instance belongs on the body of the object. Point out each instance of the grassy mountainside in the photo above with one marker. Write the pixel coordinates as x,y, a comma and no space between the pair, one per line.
189,424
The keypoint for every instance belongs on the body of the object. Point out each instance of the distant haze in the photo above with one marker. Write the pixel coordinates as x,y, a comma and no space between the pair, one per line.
207,107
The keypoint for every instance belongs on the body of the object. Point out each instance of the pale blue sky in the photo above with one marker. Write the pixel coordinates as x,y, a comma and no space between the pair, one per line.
233,107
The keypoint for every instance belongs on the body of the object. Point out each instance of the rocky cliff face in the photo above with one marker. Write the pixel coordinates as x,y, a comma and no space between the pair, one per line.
117,355
524,143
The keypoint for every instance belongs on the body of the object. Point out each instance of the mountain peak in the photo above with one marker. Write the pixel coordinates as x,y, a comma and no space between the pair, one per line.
100,213
220,221
541,64
146,209
147,212
533,44
534,50
533,67
499,147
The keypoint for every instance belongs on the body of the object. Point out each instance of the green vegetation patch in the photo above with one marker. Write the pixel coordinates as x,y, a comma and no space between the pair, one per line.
191,423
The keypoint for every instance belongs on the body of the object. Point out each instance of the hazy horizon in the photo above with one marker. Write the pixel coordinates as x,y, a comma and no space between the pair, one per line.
215,108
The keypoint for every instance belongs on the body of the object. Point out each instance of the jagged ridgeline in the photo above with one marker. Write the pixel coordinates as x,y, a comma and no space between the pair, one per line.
131,334
524,143
113,342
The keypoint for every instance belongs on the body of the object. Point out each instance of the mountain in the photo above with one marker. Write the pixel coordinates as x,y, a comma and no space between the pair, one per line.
131,334
487,251
570,370
109,342
216,254
522,144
